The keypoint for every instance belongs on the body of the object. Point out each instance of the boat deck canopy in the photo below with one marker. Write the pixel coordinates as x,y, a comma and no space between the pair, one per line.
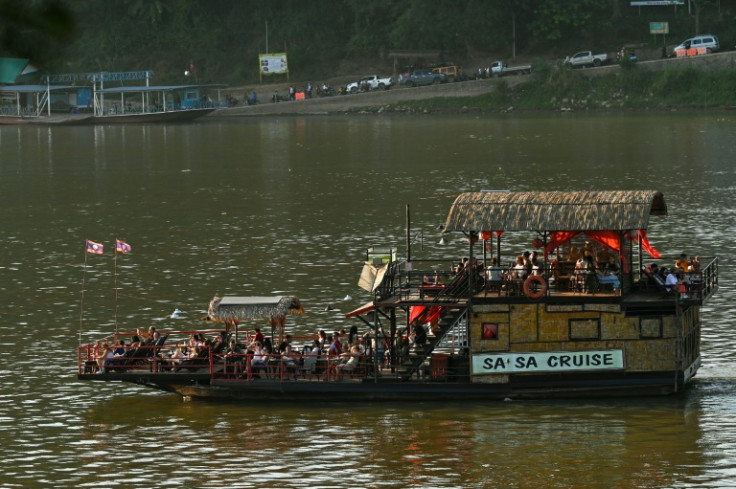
140,89
35,88
235,308
554,211
367,307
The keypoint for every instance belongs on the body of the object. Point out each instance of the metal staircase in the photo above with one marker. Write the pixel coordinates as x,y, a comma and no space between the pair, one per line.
448,322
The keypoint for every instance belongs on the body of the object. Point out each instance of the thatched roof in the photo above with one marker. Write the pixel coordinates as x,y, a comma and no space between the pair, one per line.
228,309
554,211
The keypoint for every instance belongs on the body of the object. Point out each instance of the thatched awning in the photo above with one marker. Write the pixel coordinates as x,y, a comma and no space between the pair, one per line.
555,211
237,309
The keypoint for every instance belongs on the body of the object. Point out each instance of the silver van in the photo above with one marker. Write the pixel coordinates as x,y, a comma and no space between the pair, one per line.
708,41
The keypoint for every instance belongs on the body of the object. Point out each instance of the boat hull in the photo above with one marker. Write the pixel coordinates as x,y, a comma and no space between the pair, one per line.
201,386
172,116
86,119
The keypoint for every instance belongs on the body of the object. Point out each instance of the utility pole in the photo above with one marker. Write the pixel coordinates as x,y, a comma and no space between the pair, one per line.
513,36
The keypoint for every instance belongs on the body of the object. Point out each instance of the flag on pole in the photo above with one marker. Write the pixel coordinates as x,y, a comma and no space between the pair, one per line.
95,248
122,247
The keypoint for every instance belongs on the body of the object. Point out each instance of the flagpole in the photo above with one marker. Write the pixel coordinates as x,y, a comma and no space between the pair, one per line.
81,304
116,286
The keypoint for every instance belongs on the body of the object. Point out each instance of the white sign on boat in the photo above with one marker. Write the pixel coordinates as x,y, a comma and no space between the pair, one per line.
529,362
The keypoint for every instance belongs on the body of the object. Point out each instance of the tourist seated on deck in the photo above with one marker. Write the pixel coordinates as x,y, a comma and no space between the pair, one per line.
257,338
316,348
493,274
336,345
429,280
310,358
671,282
334,352
677,283
608,274
120,349
260,358
349,361
290,361
534,262
344,340
234,358
695,264
519,270
582,274
322,338
682,263
352,335
104,358
177,356
287,341
146,337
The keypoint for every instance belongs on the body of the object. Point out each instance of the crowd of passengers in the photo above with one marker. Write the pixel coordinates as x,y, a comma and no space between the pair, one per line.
589,271
683,279
586,270
342,352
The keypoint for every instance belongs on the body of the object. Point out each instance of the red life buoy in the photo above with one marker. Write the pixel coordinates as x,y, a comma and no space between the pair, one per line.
539,290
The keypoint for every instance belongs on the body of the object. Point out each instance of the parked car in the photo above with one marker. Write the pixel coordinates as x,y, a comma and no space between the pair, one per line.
499,68
586,58
705,44
371,82
452,72
422,77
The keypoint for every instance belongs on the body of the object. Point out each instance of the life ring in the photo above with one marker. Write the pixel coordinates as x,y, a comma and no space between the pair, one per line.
538,291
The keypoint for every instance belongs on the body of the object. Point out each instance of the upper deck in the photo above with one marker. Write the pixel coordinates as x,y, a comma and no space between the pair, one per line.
574,236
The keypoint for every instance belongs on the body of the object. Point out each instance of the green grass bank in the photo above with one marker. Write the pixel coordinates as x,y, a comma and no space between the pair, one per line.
554,87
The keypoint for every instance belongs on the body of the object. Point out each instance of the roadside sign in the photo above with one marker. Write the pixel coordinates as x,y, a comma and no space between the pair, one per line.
659,27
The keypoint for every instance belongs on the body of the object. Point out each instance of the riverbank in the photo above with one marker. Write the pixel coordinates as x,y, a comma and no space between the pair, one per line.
699,82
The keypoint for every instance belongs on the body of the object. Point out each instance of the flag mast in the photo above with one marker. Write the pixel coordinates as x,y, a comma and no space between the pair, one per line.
120,247
81,302
115,273
96,249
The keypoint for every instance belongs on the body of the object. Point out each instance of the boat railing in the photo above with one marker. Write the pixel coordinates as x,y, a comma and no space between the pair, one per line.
435,283
708,278
373,364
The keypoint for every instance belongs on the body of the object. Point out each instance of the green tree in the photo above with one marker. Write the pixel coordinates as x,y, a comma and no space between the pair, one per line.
35,30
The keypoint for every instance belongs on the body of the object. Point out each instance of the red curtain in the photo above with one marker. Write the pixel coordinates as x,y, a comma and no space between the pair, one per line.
610,239
423,315
556,238
646,246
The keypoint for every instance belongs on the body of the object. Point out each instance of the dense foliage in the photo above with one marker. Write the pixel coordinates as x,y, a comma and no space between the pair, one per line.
324,38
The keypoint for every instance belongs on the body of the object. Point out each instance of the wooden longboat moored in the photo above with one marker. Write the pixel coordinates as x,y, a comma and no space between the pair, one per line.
566,332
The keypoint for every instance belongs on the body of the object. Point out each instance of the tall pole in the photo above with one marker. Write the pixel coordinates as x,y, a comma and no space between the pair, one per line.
513,36
267,37
81,302
408,235
116,289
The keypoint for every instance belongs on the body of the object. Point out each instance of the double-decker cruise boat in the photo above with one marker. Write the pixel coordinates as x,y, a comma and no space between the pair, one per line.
589,313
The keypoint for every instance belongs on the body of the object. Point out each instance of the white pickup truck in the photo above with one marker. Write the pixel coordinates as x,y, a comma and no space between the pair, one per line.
586,58
371,82
499,68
